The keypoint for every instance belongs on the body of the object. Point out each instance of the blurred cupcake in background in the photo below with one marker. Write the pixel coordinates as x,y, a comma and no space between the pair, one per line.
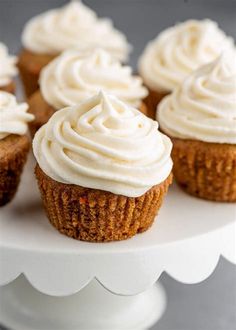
200,118
103,169
8,70
14,144
75,76
72,26
176,52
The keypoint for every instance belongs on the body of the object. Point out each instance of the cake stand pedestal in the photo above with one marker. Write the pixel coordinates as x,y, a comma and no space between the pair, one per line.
93,307
51,282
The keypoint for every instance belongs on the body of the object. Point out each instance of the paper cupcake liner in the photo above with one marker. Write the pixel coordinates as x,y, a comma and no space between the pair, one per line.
42,111
152,100
205,170
30,65
95,215
143,108
13,155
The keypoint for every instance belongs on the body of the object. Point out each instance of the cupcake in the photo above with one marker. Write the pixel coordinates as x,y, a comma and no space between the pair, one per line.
72,26
200,118
7,70
103,169
176,52
14,144
75,76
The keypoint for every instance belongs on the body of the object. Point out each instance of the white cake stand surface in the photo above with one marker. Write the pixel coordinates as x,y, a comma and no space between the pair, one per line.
51,282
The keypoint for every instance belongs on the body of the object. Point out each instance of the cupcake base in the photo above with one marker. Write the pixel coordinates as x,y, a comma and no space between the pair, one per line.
43,111
13,155
10,88
152,100
98,216
205,170
143,108
30,65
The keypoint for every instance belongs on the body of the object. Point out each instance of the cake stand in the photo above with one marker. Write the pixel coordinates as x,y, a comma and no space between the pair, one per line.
51,282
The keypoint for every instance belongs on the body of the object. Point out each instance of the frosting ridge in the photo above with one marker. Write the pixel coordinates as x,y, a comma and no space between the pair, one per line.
73,26
103,143
7,66
13,116
204,106
74,76
179,50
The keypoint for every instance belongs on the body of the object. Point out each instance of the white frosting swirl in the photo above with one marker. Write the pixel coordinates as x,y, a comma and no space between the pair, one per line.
7,66
179,50
103,143
13,116
73,25
74,76
204,107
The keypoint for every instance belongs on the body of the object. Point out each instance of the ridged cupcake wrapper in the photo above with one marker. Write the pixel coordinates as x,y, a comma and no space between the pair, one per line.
30,65
98,216
143,108
205,170
152,100
11,166
29,80
41,110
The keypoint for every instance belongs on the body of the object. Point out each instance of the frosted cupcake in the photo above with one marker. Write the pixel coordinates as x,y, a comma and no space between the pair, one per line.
75,76
176,52
72,26
103,169
7,70
14,144
200,118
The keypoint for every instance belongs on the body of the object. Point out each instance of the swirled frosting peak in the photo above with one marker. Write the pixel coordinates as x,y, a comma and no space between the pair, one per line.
74,76
179,50
105,144
13,116
204,107
73,26
7,66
